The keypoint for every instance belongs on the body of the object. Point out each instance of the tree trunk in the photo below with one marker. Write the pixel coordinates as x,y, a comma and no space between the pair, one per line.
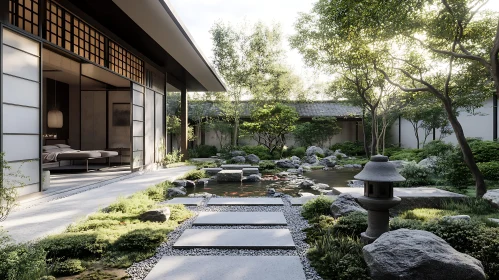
374,128
469,159
494,61
235,132
366,147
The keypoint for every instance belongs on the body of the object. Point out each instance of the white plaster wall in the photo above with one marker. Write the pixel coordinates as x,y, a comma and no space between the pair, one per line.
93,128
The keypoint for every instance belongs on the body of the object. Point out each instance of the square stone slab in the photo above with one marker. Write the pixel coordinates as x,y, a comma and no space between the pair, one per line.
228,268
236,239
240,218
245,201
250,171
191,201
230,176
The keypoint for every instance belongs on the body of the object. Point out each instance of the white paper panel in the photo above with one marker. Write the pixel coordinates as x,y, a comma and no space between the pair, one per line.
138,113
138,143
20,42
29,170
159,125
21,64
138,128
138,98
149,127
21,147
137,159
138,87
20,91
18,119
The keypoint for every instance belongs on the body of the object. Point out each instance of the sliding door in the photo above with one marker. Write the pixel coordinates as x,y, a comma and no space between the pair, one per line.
137,126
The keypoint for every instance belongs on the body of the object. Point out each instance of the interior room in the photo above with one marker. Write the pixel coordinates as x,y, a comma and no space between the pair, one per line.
86,123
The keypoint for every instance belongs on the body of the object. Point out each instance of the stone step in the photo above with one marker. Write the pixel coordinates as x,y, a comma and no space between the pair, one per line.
212,171
240,218
235,166
227,201
191,201
235,239
250,171
230,176
228,268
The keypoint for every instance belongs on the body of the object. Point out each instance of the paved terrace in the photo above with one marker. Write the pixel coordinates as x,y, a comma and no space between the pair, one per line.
55,216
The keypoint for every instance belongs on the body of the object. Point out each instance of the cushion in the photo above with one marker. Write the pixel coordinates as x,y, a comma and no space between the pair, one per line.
48,148
63,146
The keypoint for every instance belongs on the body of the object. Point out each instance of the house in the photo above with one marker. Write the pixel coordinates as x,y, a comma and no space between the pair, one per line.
92,76
349,118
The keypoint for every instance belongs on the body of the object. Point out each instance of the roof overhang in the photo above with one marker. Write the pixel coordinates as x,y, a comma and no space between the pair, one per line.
159,21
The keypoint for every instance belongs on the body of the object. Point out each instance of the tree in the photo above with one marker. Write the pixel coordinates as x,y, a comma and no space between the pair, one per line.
317,132
389,110
270,124
10,181
174,127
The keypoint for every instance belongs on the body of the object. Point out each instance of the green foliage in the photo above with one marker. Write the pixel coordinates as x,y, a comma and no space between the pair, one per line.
137,204
317,132
409,155
9,180
391,150
267,165
260,151
350,225
194,175
349,148
338,258
24,261
314,208
74,245
68,267
415,175
173,157
425,214
398,223
158,191
489,170
270,123
140,240
470,206
437,148
295,151
205,151
484,151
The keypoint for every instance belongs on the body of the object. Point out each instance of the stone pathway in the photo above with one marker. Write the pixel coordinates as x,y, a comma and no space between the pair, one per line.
234,238
56,215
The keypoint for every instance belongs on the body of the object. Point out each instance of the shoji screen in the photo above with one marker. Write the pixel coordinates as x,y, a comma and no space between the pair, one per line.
137,126
149,127
160,125
21,139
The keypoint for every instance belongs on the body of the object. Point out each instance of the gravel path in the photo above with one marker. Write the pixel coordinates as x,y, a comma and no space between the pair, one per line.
296,224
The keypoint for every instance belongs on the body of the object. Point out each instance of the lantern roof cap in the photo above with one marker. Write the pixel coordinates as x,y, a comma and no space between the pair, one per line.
379,169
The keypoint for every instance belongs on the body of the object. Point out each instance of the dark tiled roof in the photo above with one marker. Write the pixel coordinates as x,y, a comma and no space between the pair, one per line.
304,109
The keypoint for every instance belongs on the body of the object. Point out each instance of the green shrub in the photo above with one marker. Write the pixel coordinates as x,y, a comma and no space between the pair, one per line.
415,175
454,171
21,261
297,151
470,206
267,165
140,240
338,258
136,204
489,170
349,148
158,191
314,208
68,267
319,227
398,223
409,155
173,157
260,151
484,151
437,148
74,245
425,214
389,151
351,225
194,175
178,213
205,151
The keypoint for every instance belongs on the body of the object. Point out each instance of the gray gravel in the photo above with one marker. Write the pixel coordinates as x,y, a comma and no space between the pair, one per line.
296,224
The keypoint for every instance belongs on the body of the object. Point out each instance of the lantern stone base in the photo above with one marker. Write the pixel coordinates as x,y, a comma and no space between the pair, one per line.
378,216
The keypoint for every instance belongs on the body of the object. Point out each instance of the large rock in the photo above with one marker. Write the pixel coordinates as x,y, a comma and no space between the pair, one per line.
320,186
252,178
212,171
329,161
311,159
339,153
189,184
179,183
313,150
465,218
345,204
230,176
178,191
429,162
237,153
306,184
399,163
202,182
418,255
253,159
156,215
328,152
493,197
238,159
295,159
285,163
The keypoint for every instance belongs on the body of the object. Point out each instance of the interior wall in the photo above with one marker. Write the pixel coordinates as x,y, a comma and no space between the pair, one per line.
21,122
93,128
74,117
56,95
118,136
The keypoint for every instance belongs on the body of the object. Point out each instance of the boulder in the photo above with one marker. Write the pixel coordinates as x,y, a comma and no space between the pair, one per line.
212,171
230,176
320,186
282,174
305,194
178,191
494,220
237,153
253,159
415,254
313,150
329,161
179,183
457,218
202,194
306,167
295,159
202,182
285,163
157,215
328,152
238,159
339,153
355,184
429,162
271,191
293,171
399,163
306,184
252,178
492,196
189,184
345,204
311,159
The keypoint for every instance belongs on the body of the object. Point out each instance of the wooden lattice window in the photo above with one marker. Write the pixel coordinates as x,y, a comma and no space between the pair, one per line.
88,42
55,28
125,63
24,14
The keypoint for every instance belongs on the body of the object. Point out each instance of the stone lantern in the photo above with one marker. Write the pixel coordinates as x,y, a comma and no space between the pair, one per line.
378,176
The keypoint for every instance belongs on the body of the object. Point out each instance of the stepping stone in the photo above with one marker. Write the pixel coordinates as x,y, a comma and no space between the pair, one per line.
240,218
245,201
230,176
212,171
250,171
235,239
191,201
235,166
228,268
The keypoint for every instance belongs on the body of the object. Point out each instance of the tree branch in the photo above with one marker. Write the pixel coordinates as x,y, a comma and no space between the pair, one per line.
387,78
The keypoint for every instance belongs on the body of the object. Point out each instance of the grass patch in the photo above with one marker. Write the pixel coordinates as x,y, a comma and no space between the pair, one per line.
314,208
194,175
345,161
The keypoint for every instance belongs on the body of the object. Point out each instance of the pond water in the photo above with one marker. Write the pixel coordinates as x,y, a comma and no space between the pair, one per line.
334,178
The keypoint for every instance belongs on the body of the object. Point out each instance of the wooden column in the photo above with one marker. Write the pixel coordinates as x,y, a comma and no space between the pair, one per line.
183,122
